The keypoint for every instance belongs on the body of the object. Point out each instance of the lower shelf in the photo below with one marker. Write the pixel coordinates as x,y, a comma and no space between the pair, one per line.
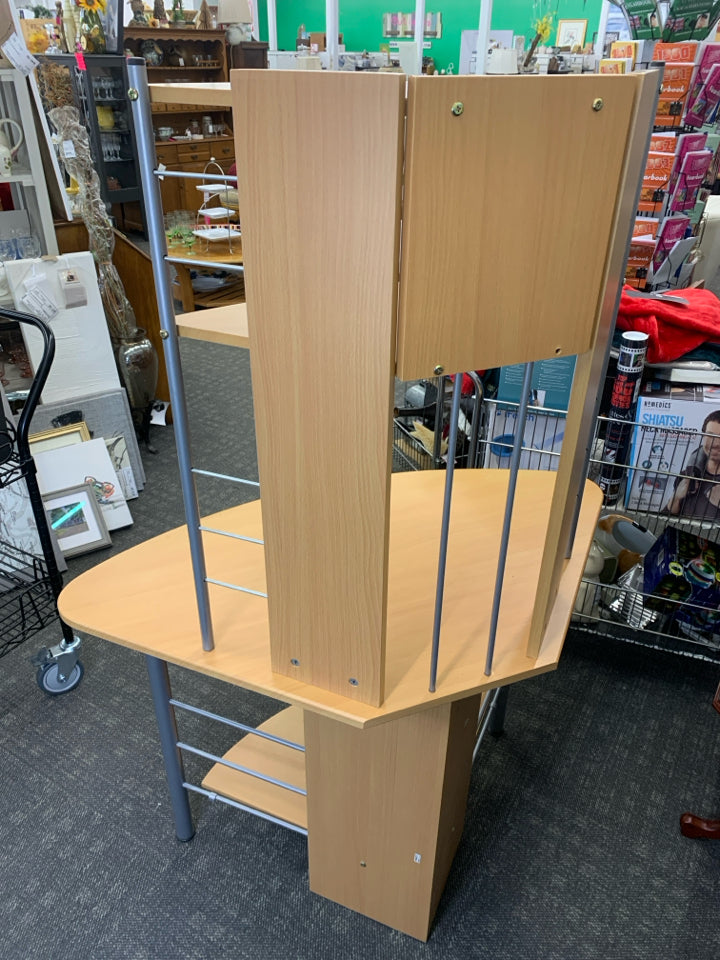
271,759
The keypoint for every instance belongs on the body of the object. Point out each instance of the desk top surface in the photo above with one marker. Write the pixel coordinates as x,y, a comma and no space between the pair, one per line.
144,598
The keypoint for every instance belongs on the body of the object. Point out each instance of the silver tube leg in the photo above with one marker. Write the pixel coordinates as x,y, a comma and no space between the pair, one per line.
142,117
496,720
449,474
509,503
161,694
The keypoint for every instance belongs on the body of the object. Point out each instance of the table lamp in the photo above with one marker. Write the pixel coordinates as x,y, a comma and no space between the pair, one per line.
237,17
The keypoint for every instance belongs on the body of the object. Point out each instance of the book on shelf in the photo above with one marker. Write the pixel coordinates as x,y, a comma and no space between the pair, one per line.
688,18
645,228
676,52
644,20
706,100
665,142
671,230
624,50
638,262
658,169
674,92
615,65
708,56
686,143
692,174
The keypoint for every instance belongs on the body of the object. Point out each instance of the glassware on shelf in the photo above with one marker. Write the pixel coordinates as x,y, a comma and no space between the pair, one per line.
28,247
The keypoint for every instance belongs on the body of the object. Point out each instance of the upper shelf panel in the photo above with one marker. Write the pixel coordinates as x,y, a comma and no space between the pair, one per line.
509,215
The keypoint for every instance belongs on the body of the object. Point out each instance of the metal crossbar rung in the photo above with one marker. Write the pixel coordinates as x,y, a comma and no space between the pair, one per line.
236,766
226,533
207,264
234,586
237,725
224,476
209,177
242,806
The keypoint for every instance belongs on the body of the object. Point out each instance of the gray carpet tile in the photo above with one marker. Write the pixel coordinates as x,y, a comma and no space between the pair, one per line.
571,848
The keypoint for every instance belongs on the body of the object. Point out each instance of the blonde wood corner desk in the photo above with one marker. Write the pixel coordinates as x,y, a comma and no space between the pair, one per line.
380,608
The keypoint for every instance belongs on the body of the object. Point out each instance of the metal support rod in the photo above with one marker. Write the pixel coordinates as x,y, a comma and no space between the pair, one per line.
234,536
241,806
165,715
485,718
142,116
509,503
445,528
234,586
272,26
186,175
496,723
483,40
332,29
225,476
246,770
236,725
207,264
419,34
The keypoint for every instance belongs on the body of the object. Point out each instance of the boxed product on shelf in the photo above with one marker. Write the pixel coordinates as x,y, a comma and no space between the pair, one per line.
682,579
542,438
666,446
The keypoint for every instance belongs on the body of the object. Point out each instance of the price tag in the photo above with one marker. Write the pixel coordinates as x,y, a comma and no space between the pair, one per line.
18,55
39,304
68,149
161,167
80,58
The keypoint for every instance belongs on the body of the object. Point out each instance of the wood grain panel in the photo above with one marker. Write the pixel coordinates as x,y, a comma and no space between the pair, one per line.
226,325
319,161
508,214
158,615
386,808
590,368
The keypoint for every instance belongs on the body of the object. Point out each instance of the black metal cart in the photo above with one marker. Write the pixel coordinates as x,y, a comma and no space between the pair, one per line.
30,584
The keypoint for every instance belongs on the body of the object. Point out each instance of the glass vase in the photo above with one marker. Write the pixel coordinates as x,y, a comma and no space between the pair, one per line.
137,362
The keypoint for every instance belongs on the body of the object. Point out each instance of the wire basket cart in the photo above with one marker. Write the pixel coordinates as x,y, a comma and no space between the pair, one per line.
664,619
422,419
30,583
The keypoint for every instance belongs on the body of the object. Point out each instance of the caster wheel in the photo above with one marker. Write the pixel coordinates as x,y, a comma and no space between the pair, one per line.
49,680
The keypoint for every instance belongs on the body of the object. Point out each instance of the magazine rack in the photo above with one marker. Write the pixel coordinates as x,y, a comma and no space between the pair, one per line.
516,197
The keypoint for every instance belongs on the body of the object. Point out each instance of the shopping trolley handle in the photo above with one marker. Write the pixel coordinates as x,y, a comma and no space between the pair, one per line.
39,380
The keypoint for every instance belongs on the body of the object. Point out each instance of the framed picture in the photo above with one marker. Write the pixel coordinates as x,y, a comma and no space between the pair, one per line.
74,517
60,437
571,34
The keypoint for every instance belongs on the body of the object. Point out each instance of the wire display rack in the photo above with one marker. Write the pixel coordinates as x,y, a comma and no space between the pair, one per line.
619,609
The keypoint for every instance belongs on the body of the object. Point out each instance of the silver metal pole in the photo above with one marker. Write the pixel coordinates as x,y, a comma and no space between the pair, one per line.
272,26
445,529
332,29
419,34
509,503
486,7
139,95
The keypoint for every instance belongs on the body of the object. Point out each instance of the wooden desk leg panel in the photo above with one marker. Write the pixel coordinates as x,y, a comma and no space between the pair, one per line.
386,808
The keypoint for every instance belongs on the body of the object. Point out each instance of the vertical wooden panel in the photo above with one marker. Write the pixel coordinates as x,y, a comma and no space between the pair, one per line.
507,216
591,367
386,808
319,160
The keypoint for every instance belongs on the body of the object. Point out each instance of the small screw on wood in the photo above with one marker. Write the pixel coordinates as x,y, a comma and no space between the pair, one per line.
132,93
457,108
353,682
439,369
597,104
295,662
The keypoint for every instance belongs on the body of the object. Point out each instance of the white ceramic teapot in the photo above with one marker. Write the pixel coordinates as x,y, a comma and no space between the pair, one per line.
8,152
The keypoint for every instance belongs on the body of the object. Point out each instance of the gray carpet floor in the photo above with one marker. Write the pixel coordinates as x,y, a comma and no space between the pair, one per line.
571,847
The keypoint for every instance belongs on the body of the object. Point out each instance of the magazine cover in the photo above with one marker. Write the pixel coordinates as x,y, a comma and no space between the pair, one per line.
675,88
638,262
685,143
709,55
644,19
676,52
688,19
615,65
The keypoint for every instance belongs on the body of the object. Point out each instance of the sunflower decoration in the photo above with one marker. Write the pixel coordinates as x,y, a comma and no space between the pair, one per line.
92,34
543,28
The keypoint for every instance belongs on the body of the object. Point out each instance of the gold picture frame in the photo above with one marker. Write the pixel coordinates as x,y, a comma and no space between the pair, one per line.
571,34
59,437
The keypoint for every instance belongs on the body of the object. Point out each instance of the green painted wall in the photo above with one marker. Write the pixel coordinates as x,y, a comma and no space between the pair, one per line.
361,21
